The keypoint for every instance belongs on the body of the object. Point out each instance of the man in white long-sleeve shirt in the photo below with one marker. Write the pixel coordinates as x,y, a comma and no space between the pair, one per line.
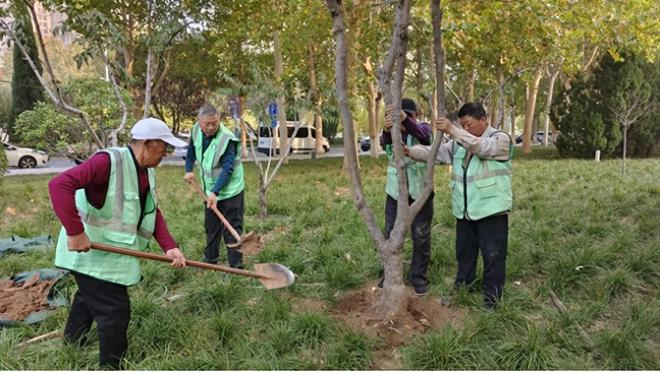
480,156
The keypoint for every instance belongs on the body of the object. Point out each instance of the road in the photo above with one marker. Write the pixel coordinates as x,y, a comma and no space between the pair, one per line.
59,165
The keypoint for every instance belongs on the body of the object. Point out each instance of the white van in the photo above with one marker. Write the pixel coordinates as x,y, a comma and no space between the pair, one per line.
305,140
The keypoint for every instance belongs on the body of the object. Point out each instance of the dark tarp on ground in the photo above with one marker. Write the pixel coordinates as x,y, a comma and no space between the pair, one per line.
55,298
17,244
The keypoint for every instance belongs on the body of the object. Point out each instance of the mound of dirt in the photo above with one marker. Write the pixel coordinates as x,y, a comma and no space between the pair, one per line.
420,315
18,301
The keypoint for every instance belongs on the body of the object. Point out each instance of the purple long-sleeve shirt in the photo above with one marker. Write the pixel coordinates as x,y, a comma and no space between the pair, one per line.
420,130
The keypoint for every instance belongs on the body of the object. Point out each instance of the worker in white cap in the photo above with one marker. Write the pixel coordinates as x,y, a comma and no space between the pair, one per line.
111,199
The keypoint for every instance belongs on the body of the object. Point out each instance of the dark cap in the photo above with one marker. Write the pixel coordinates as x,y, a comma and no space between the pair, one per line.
408,106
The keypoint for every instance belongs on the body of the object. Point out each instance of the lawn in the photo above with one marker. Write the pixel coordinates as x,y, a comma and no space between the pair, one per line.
578,229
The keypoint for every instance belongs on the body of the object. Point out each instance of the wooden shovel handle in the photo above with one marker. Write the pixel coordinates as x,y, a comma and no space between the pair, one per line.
214,208
158,257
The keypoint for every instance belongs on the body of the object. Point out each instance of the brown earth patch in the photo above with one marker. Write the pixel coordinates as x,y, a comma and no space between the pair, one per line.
421,314
309,304
17,301
272,234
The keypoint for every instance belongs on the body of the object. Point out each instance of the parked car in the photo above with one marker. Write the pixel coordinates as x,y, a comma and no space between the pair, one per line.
180,151
304,141
365,143
24,157
537,137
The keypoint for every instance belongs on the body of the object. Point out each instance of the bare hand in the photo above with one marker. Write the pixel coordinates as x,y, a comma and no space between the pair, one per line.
211,200
443,124
389,122
406,150
79,243
177,255
189,177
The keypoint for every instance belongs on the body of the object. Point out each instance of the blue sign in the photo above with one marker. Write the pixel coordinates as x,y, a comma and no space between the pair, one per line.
272,111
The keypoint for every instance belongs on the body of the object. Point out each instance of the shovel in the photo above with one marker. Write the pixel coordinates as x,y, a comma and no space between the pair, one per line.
271,275
250,243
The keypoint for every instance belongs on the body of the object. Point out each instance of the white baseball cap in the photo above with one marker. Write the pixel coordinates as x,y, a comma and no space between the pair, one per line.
154,129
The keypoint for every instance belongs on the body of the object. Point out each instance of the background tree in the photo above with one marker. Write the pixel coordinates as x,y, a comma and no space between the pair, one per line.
26,89
47,128
630,93
191,76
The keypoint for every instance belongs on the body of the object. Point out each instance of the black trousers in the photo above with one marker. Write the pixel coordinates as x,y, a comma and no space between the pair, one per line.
233,210
420,231
491,236
108,304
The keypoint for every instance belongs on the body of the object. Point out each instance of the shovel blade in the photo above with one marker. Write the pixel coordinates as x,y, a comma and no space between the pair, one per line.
275,275
251,244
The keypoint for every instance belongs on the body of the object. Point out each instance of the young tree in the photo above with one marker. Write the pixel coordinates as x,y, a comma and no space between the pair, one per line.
392,300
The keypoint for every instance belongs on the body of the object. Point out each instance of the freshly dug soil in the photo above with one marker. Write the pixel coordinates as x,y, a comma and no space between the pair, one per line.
420,315
17,301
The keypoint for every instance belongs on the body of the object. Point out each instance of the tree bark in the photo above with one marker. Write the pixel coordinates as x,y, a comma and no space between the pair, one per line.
548,105
373,125
530,109
316,99
473,78
513,120
439,59
241,121
263,206
147,88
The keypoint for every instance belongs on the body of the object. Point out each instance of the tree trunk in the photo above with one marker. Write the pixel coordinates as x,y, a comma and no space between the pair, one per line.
373,125
548,104
263,208
318,125
392,301
473,78
492,112
147,88
625,144
438,59
281,110
241,121
513,121
531,108
313,86
501,107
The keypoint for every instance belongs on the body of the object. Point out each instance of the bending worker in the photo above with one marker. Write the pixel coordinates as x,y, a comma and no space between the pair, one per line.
111,199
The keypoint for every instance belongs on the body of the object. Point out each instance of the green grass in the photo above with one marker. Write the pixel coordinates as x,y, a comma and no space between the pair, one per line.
577,228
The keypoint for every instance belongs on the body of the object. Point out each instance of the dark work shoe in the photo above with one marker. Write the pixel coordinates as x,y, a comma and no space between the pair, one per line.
421,290
380,283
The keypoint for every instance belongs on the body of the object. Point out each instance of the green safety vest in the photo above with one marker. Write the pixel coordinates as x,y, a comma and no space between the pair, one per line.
480,188
116,223
209,162
415,171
